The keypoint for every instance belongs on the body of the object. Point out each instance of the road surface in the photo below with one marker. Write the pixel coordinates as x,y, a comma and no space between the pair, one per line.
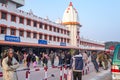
39,75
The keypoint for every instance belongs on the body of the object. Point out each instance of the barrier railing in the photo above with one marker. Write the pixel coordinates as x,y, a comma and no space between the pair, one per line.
63,71
86,68
1,75
45,72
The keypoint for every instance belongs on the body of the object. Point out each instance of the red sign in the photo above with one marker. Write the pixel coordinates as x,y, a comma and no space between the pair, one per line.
112,47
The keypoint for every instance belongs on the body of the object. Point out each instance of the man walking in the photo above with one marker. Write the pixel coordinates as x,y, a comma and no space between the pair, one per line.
77,66
68,58
93,59
52,57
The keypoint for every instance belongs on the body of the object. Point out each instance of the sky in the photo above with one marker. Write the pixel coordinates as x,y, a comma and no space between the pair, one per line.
100,19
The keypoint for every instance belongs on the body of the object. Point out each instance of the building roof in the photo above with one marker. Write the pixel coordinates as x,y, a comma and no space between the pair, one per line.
36,45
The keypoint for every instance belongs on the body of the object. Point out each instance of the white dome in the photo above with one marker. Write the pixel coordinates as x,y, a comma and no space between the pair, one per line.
70,16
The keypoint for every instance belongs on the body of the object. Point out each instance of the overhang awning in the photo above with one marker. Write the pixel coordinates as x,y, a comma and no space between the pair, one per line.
35,45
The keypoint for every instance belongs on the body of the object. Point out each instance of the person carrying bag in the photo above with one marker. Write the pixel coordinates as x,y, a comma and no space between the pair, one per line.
77,66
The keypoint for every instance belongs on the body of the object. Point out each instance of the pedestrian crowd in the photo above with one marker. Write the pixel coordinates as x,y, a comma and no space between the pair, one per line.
10,61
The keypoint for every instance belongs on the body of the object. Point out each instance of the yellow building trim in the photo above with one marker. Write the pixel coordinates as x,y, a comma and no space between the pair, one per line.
71,23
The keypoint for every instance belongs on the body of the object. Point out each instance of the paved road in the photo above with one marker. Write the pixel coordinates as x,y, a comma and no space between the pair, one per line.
104,75
92,75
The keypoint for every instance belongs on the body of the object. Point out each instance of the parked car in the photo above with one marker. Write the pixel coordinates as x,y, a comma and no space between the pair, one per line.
115,69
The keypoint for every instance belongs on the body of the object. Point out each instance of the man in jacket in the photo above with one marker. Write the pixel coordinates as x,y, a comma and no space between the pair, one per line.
52,58
68,58
94,60
77,66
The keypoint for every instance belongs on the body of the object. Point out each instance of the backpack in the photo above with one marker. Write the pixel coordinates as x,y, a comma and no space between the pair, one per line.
77,63
45,60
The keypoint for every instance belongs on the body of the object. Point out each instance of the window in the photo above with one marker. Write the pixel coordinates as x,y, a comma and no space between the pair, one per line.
21,20
41,25
64,31
58,30
3,15
21,33
50,38
68,40
78,41
35,23
54,29
45,37
78,33
61,39
34,35
65,40
40,36
13,31
28,34
46,27
13,18
50,27
58,39
54,38
3,30
68,33
29,22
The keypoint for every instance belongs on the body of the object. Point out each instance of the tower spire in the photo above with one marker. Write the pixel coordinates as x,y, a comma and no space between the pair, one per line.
70,4
71,21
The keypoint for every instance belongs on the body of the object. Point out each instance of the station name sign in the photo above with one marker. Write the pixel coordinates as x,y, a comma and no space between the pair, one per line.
62,44
12,38
42,42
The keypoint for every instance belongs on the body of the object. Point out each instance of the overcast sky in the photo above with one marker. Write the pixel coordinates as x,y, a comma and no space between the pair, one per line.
100,19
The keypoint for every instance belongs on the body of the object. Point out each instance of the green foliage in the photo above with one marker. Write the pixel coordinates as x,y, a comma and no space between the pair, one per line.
72,51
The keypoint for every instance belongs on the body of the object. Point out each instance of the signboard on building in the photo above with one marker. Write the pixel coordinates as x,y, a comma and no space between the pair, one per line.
12,38
62,44
42,42
112,47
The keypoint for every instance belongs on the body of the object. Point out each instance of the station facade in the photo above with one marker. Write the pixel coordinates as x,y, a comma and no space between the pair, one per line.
21,29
